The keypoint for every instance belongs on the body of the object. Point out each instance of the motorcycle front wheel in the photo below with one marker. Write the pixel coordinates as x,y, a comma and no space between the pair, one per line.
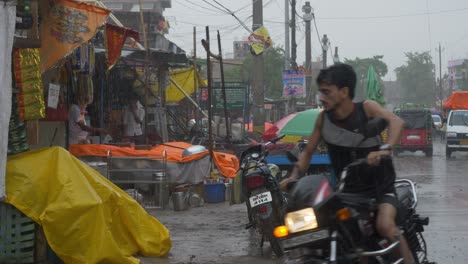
275,245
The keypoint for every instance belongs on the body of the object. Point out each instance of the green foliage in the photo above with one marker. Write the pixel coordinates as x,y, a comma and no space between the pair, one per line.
416,79
273,69
361,66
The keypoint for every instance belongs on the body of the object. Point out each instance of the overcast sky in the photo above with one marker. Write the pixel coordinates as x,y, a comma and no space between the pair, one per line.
360,28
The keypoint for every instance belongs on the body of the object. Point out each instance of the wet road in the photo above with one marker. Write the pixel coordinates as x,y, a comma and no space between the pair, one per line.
215,233
443,196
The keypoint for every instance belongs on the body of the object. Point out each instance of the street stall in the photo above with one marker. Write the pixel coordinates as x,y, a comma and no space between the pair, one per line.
178,162
54,203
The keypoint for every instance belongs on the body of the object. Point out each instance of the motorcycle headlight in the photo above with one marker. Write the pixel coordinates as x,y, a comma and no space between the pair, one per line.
301,220
451,134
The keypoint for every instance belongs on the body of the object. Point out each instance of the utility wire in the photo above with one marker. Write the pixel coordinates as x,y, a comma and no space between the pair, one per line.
398,16
317,31
215,6
234,15
216,13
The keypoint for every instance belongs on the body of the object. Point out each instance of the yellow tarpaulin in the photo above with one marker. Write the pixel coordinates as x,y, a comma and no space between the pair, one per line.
86,218
184,78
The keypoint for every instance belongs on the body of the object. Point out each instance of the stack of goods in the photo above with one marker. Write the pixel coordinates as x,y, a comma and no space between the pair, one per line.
17,140
29,83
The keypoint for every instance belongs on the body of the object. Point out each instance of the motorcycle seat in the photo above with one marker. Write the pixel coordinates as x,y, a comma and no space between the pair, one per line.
404,195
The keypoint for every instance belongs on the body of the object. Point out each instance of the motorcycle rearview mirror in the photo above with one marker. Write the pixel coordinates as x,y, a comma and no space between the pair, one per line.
374,127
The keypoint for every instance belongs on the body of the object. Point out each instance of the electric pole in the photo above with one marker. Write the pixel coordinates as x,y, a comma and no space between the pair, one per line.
286,35
325,43
258,93
440,76
336,57
310,95
293,35
292,99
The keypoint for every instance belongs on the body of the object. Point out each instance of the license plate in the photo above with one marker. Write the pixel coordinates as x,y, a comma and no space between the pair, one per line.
413,137
463,142
260,198
305,238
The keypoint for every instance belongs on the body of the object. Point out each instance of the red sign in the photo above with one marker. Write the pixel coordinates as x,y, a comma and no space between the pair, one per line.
115,40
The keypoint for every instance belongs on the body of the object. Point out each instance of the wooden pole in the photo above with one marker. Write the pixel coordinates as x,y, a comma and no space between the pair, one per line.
210,112
221,66
147,61
195,79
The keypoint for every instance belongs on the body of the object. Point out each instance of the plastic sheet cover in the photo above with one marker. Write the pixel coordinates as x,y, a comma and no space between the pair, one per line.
86,218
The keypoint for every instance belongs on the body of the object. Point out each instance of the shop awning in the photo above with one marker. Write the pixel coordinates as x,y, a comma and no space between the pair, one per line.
164,50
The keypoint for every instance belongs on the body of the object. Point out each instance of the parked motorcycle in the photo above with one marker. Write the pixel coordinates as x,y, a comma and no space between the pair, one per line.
334,225
266,204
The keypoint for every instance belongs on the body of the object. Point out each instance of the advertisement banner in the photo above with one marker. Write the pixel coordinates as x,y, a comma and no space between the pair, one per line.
260,40
66,24
294,83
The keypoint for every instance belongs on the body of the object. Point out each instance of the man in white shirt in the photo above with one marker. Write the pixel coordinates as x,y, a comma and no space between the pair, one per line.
133,119
77,125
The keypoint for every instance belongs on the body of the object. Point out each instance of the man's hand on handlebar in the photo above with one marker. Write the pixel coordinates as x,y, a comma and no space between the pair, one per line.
285,184
374,157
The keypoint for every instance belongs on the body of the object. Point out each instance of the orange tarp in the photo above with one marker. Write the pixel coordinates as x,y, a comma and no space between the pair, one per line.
458,100
227,164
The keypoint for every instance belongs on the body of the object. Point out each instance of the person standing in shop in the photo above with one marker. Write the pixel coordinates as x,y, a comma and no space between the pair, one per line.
133,115
77,124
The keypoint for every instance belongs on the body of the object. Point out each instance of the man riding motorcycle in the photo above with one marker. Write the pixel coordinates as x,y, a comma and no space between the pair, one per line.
339,126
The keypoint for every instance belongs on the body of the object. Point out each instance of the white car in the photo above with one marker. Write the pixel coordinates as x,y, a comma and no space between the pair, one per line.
437,121
457,132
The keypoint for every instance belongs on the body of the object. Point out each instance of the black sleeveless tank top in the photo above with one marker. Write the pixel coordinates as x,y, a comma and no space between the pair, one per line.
346,144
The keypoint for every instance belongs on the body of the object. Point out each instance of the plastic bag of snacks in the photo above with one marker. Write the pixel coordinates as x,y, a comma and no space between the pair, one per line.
29,83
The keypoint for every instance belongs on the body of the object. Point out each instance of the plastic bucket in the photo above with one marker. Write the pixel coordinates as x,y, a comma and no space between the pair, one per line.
179,200
214,192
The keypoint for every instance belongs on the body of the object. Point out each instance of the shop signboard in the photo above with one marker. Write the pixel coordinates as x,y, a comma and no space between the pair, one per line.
236,96
294,83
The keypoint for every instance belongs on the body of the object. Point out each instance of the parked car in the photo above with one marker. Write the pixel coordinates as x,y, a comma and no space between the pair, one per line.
437,121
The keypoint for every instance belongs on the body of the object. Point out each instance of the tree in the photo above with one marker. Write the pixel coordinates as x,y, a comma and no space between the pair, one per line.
273,69
416,78
361,66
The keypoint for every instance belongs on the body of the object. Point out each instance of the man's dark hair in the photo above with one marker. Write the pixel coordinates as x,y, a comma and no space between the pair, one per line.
341,75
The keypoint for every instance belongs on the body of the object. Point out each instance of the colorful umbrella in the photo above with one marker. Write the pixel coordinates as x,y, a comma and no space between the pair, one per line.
296,124
249,126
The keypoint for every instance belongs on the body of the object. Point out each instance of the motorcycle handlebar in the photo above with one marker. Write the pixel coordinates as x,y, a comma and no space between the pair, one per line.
274,140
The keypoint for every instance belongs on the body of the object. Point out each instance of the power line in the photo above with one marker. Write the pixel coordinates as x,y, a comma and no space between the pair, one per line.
215,6
216,13
398,16
317,31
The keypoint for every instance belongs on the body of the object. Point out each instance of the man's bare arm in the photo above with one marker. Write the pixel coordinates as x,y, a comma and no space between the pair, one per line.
313,141
395,124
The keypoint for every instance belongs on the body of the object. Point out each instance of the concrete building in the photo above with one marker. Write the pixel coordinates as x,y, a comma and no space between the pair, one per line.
241,49
128,12
457,75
